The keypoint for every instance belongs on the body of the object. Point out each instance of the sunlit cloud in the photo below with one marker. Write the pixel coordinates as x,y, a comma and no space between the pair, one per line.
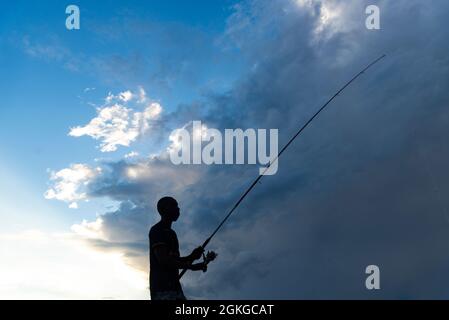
176,136
131,154
117,124
64,267
91,230
126,96
69,184
328,15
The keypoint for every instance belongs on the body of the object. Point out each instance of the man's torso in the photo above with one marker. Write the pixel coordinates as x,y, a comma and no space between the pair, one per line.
162,278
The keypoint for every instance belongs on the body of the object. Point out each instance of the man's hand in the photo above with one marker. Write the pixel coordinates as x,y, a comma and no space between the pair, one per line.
210,256
197,253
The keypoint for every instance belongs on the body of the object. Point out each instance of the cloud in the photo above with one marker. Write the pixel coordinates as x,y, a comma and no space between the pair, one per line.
49,51
73,205
90,230
124,96
118,125
53,50
128,240
365,184
69,184
41,265
131,154
142,95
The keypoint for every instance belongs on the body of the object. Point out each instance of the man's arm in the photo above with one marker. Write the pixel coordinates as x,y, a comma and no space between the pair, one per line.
195,255
165,259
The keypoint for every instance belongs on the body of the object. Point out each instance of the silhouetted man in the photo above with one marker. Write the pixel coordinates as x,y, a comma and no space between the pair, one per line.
165,260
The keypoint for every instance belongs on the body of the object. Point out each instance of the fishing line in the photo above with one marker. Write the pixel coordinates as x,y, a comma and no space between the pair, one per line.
282,151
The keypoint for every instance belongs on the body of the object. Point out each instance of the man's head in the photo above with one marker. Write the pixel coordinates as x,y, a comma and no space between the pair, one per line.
168,208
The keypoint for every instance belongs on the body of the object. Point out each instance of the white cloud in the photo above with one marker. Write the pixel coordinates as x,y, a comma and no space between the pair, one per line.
73,205
330,17
142,95
132,154
118,125
109,98
69,183
90,230
126,96
64,267
176,136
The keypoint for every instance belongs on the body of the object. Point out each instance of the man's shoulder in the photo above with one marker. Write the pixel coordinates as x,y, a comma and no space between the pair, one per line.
158,229
155,229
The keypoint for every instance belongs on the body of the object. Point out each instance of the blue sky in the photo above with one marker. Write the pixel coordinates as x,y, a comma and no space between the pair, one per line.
86,119
40,87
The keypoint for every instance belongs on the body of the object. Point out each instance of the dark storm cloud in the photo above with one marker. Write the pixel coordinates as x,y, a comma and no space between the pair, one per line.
366,184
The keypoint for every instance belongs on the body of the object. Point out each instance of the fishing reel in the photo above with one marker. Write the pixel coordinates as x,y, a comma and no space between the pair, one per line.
209,257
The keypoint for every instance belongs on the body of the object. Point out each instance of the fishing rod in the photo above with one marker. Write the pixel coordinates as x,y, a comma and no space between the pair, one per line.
280,153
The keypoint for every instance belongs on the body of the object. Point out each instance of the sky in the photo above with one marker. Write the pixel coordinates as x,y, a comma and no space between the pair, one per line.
86,124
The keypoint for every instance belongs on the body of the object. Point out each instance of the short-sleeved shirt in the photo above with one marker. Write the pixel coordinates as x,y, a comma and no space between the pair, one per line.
163,278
